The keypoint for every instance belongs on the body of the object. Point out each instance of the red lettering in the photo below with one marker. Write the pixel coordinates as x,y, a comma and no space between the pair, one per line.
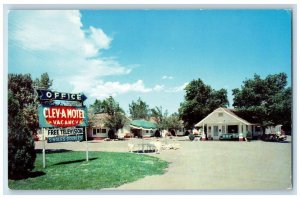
64,116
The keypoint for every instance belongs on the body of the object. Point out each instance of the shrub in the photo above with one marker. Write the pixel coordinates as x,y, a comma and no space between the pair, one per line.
192,137
186,133
21,153
111,134
173,132
157,133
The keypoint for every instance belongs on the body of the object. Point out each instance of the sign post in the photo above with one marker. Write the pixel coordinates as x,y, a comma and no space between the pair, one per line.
87,149
44,149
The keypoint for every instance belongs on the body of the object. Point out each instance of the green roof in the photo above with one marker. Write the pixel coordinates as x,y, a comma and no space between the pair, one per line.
143,124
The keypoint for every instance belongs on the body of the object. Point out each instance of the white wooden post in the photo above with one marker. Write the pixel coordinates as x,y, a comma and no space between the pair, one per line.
87,149
44,149
240,133
203,133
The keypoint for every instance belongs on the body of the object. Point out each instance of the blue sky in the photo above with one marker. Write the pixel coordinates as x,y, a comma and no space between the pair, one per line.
150,54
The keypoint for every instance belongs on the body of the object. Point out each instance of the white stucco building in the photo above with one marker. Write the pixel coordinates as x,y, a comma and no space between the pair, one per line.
225,121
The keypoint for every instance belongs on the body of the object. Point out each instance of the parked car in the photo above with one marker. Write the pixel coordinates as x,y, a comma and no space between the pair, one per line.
274,134
229,136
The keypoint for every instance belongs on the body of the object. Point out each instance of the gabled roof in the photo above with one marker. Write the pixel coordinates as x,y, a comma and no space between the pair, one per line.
224,110
98,120
231,112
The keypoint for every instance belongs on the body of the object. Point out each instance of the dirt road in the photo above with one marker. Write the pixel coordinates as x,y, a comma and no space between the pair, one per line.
208,165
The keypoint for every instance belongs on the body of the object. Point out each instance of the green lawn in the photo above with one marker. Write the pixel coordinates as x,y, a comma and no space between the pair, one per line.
69,170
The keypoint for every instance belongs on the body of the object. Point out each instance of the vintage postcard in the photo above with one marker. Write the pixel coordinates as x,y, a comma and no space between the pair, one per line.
156,99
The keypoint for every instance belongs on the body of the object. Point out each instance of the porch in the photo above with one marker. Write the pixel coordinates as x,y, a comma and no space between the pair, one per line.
214,130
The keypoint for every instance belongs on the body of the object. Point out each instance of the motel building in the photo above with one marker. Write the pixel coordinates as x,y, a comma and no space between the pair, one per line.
135,128
223,122
143,128
98,130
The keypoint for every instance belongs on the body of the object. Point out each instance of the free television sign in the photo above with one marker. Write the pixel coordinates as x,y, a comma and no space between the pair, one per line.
65,134
62,116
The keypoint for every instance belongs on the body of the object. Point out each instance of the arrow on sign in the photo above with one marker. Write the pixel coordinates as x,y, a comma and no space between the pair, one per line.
83,97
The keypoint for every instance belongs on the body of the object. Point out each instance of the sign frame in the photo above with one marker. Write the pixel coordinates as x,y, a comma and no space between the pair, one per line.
45,96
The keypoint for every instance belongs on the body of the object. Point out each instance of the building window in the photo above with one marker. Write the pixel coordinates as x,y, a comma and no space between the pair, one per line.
220,114
94,131
147,131
103,130
98,130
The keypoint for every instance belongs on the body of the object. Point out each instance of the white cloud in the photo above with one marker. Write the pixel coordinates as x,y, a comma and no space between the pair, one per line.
100,38
56,42
46,30
158,87
167,77
96,39
100,89
177,88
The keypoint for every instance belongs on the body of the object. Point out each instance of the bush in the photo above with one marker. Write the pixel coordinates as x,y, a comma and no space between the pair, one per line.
21,153
173,132
111,134
186,133
157,133
192,137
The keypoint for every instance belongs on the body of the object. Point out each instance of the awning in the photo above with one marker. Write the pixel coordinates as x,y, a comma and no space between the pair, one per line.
143,124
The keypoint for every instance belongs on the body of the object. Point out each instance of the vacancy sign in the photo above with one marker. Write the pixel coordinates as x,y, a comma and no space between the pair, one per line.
62,116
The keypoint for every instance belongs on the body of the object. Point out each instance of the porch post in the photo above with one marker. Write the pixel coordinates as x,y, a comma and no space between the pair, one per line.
203,133
241,138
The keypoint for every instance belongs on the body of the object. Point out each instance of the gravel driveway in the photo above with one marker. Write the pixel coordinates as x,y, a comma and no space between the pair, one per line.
208,165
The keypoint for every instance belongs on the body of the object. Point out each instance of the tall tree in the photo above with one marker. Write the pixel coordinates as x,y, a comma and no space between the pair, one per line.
115,119
157,113
199,101
165,121
22,122
266,101
97,107
21,88
111,107
108,105
43,82
171,122
174,121
139,109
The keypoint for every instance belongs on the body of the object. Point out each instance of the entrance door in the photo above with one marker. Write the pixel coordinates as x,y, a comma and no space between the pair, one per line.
215,132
